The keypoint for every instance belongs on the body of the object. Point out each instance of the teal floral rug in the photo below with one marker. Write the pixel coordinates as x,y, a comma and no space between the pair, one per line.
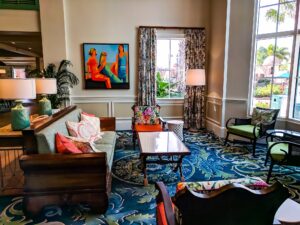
132,203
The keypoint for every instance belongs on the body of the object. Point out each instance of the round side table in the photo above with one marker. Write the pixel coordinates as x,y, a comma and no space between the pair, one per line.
177,127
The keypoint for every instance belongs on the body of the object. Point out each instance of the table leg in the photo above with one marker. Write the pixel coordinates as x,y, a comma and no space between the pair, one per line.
1,175
145,170
180,168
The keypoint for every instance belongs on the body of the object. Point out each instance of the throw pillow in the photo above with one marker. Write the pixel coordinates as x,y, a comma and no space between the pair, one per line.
64,145
83,129
146,115
262,116
83,145
95,121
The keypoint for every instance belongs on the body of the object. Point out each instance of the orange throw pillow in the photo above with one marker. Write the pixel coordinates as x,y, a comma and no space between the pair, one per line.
65,145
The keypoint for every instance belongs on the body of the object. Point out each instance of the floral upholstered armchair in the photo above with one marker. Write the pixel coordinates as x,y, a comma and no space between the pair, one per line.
246,201
252,128
146,119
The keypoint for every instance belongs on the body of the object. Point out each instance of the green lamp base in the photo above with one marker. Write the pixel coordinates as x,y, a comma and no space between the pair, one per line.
19,117
45,106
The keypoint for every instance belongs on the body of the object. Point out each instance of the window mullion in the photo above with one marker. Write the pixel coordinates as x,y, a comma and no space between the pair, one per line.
170,67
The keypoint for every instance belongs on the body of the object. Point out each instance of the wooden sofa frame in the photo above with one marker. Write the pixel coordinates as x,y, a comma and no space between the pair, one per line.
64,179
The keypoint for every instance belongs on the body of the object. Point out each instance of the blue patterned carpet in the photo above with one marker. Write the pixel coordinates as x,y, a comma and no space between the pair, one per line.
132,203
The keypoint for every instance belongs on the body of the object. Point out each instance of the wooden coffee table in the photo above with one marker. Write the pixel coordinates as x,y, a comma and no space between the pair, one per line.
166,146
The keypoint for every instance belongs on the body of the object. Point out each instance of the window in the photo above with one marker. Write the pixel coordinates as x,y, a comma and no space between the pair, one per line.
170,71
273,52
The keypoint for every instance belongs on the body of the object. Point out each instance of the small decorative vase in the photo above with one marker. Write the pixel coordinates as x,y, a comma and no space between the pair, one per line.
45,106
19,117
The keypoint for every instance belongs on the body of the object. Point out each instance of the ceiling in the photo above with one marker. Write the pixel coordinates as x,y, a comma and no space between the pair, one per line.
20,48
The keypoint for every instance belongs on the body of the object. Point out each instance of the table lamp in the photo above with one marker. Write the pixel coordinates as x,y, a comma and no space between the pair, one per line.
17,89
45,86
194,78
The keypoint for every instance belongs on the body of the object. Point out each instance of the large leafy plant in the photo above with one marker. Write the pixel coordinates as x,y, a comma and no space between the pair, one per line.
65,80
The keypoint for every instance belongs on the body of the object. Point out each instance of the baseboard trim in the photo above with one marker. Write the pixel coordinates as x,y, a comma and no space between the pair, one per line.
217,129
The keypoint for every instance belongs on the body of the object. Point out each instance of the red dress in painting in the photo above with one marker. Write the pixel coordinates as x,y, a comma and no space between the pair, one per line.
96,76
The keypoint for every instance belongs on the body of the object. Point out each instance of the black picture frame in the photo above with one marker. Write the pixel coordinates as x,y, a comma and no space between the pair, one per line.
104,68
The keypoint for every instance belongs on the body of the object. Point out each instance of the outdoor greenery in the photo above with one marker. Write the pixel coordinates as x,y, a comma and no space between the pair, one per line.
265,91
286,9
64,78
280,53
265,105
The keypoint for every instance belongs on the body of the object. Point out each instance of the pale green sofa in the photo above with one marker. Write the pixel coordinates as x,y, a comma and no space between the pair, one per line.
59,179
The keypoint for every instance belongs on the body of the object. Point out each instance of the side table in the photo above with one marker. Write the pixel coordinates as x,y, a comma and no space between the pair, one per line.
283,134
10,141
177,127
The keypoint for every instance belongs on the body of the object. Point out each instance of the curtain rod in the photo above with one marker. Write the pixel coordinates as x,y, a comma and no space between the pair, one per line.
165,28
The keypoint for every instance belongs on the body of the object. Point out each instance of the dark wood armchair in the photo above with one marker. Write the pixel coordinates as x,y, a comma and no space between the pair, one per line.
146,119
245,128
282,153
232,204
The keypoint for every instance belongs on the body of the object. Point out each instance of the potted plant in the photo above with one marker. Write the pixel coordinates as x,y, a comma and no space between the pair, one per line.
65,80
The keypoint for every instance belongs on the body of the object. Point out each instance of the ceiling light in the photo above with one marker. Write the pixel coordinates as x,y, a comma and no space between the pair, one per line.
13,42
29,48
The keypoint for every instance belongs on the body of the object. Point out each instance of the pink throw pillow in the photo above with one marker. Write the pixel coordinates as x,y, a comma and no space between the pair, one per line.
64,145
95,121
83,129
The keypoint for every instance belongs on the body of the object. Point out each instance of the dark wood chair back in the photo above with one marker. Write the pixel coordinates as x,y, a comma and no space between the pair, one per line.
232,204
276,112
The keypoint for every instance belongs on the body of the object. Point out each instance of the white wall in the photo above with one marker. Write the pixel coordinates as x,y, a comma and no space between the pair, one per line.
114,21
52,18
19,20
216,53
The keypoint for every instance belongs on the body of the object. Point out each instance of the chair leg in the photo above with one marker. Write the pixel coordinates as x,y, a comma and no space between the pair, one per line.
270,171
254,147
133,139
267,157
226,139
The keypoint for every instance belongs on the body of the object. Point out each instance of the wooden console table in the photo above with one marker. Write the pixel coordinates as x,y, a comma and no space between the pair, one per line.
10,141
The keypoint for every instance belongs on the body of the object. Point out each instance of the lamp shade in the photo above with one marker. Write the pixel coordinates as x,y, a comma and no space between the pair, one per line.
17,89
195,77
46,86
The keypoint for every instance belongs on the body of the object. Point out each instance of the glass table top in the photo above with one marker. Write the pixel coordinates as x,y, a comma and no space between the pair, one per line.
161,143
282,132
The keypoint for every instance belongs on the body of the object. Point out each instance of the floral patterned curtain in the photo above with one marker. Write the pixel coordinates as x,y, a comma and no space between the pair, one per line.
147,66
195,44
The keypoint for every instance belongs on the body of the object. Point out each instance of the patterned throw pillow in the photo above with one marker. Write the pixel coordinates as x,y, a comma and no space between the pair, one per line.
84,130
92,119
250,182
262,116
146,115
83,145
66,144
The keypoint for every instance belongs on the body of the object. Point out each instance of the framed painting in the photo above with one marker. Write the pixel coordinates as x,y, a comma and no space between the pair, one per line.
106,66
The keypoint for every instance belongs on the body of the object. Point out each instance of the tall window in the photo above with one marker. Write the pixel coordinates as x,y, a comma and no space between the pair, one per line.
170,71
273,53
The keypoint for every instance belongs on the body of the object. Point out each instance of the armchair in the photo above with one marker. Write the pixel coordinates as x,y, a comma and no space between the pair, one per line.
146,119
232,204
252,128
282,153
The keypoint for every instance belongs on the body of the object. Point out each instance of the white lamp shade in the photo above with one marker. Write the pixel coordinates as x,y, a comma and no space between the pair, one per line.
46,86
195,77
17,89
2,71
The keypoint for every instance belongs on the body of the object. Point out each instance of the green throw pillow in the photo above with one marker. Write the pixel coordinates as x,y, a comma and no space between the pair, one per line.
262,116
